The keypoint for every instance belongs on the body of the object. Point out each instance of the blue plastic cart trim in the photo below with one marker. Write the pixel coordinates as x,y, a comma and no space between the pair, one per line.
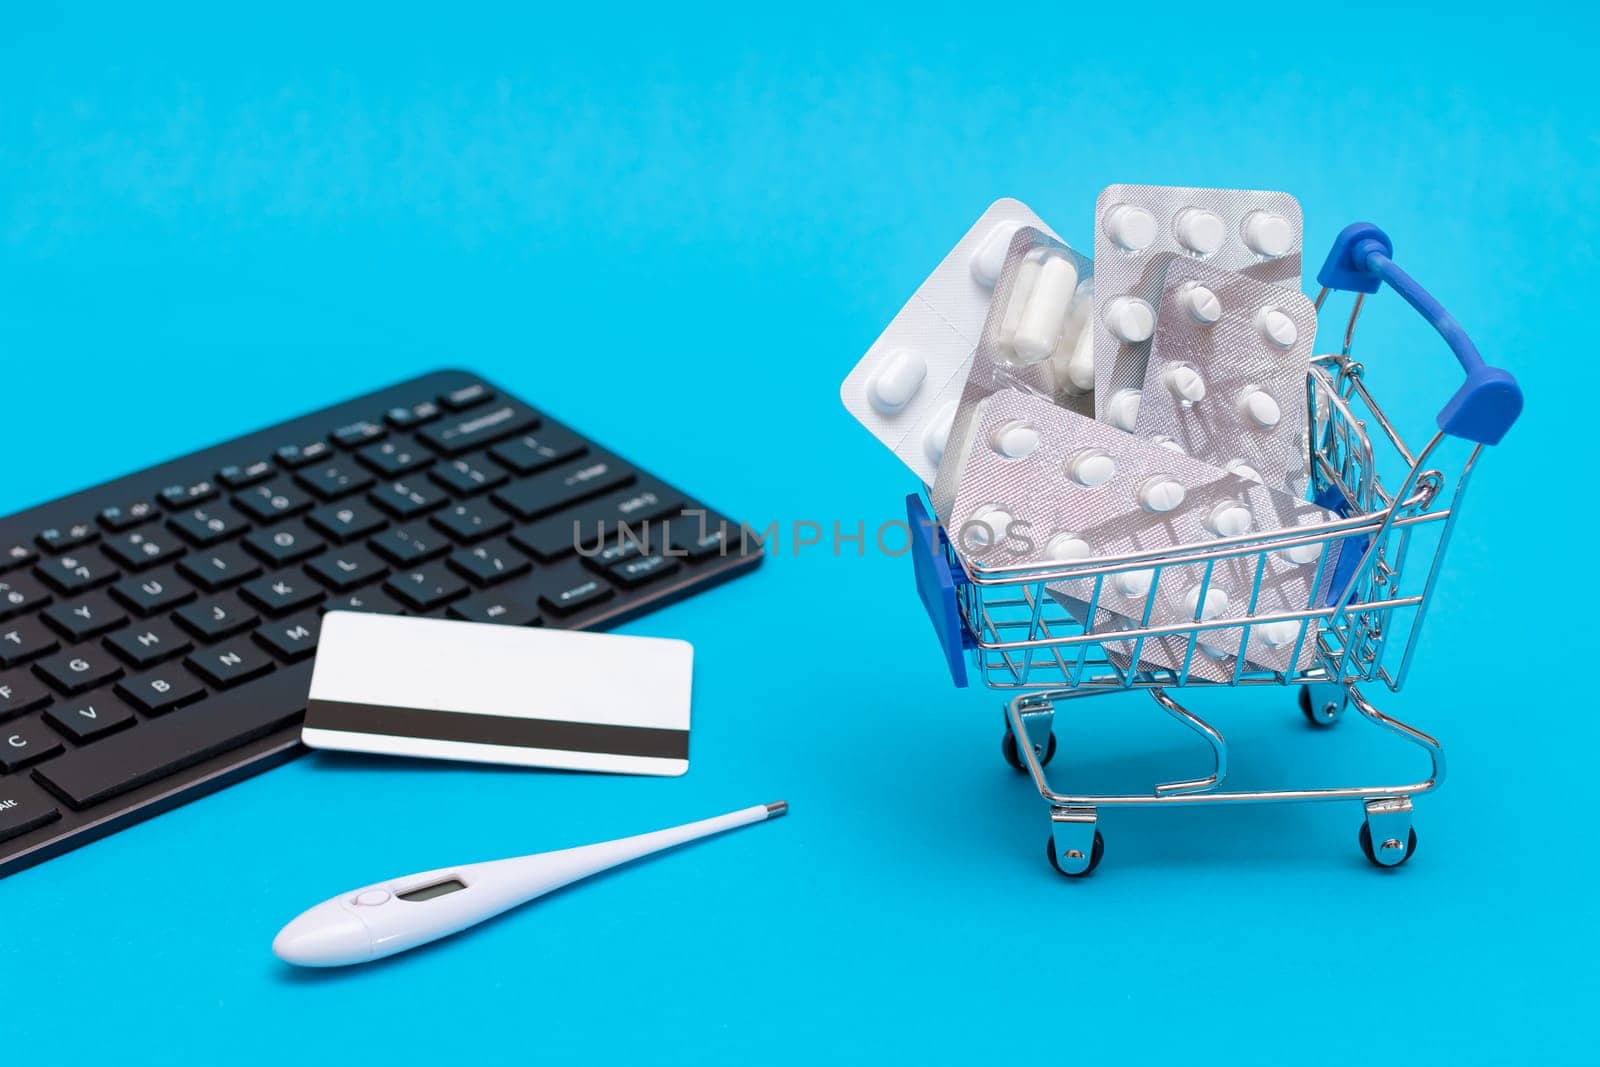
937,587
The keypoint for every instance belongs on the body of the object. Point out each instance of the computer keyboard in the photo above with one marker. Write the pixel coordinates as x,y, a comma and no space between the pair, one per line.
156,632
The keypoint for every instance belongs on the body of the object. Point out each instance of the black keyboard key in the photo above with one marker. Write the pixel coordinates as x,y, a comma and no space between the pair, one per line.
593,527
291,640
77,571
369,600
696,534
177,497
223,566
152,750
467,476
273,501
426,588
560,488
296,456
575,595
282,545
148,643
347,521
155,592
90,616
467,396
79,669
356,434
408,499
407,546
161,690
476,429
118,518
24,640
209,525
229,665
403,418
244,475
472,522
88,718
282,593
144,548
16,554
394,458
536,451
497,607
19,593
24,807
348,568
62,538
632,573
26,742
333,480
490,563
218,617
21,692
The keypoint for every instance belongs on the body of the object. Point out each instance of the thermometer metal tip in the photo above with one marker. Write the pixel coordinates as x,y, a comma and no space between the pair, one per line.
777,808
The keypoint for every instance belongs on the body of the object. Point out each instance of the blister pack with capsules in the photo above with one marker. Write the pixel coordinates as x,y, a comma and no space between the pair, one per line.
1036,338
1226,380
1138,230
1089,498
906,388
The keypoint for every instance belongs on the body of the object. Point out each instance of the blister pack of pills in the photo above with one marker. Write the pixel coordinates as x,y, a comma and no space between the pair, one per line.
1035,338
1139,229
1086,491
1226,380
905,389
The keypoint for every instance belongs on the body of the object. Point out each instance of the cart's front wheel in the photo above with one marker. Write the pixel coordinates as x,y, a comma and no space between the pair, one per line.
1008,749
1097,851
1391,857
1322,704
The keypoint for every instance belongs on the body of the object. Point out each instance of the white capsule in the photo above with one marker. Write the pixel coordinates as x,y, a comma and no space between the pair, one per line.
1268,233
1015,439
1201,304
938,432
1160,494
1132,228
1259,408
897,380
1122,410
1277,328
987,526
1080,368
1279,634
1217,603
1171,444
1130,319
1091,467
1039,325
1300,555
1188,386
1066,547
990,258
1243,470
1134,583
1202,232
1228,519
1021,288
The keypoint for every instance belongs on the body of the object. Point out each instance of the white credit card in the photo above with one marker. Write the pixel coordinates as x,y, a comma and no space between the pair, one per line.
500,694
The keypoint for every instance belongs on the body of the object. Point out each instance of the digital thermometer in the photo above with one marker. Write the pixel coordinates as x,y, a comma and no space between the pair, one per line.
388,917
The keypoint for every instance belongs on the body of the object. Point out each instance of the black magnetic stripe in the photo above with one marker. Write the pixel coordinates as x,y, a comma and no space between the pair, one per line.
497,730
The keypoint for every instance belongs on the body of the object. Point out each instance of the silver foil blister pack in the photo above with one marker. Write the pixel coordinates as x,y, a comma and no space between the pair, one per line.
1087,492
1226,379
1138,229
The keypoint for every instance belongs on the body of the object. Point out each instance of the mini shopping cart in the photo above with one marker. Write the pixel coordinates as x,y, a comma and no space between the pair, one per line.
1384,553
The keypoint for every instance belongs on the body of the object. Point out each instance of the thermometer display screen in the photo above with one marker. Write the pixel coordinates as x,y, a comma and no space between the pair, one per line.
437,889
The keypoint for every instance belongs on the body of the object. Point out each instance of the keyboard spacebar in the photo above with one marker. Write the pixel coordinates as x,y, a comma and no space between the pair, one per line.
159,747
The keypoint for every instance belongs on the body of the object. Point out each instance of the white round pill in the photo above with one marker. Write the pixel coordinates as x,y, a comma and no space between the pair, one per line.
987,525
1015,439
1185,381
1171,444
1122,410
1091,467
1130,319
1243,470
938,432
1228,519
1201,304
1160,494
1268,233
1259,408
1134,583
897,381
990,258
1277,327
1202,232
1217,603
1278,634
1080,368
1132,228
1300,555
1067,547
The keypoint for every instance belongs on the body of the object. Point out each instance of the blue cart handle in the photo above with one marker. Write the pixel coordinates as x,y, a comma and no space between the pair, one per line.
1490,400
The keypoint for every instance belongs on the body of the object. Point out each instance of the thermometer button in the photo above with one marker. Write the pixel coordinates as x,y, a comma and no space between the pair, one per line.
371,898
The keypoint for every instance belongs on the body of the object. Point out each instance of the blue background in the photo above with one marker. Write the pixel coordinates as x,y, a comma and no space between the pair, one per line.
677,229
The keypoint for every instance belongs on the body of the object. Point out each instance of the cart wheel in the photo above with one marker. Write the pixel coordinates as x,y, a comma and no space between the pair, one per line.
1325,716
1096,852
1366,847
1008,749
